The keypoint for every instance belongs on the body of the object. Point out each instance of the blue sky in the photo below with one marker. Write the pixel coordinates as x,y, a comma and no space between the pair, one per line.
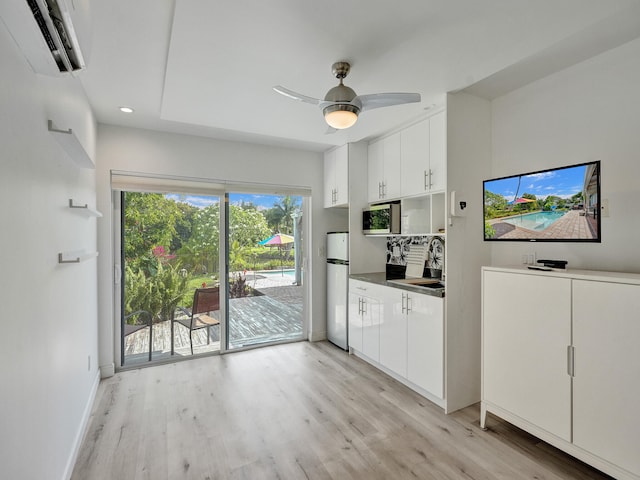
562,183
261,201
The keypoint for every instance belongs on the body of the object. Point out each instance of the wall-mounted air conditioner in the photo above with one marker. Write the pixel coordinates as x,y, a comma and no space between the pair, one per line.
50,32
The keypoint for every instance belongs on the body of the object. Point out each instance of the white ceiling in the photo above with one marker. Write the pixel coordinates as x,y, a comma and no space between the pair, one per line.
207,67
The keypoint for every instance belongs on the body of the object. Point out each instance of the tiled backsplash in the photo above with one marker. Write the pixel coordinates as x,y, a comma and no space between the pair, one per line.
399,246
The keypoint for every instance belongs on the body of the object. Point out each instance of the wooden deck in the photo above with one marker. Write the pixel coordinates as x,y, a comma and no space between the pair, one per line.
252,320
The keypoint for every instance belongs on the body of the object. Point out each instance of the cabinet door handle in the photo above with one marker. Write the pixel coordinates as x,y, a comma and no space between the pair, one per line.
426,185
571,358
409,304
364,303
430,177
384,189
402,303
359,306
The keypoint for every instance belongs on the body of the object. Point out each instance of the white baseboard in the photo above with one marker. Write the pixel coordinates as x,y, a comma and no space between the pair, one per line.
317,336
108,370
82,428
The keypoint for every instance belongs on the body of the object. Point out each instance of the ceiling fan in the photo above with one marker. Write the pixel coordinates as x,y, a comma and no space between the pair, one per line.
341,106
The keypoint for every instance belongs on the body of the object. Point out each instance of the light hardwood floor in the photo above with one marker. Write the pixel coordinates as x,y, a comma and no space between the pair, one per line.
297,411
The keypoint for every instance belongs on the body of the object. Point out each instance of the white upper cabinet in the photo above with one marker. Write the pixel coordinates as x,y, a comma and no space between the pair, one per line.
375,154
384,169
423,156
336,177
410,162
415,159
438,152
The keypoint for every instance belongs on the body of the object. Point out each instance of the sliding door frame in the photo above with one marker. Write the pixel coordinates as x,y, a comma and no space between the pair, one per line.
122,181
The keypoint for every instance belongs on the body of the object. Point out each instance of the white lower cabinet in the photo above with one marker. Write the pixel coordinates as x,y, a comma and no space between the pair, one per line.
425,343
407,327
393,331
560,359
355,320
364,319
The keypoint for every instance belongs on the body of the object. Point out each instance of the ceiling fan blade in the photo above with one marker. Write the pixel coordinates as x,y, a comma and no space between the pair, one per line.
296,96
377,100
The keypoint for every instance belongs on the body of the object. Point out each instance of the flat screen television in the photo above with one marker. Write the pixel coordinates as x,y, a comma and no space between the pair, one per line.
556,205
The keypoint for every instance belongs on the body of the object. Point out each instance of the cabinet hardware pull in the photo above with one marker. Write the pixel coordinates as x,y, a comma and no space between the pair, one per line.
402,303
364,303
430,176
571,357
409,305
426,187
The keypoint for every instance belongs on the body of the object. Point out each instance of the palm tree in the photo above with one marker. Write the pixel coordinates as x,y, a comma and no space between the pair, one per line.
285,210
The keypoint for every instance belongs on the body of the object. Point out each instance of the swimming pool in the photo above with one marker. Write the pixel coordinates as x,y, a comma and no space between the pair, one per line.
276,273
534,221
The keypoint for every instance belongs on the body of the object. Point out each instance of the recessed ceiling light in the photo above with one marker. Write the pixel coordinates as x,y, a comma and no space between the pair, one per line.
126,109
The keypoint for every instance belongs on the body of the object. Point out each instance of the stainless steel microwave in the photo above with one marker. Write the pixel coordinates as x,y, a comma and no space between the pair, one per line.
381,219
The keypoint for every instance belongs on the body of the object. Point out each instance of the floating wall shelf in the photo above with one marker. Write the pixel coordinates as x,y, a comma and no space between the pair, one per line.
85,209
71,145
75,257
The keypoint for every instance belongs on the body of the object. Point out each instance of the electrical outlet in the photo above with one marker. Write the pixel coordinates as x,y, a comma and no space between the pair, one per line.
604,208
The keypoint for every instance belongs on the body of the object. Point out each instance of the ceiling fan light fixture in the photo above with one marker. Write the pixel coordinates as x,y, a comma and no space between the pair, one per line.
341,116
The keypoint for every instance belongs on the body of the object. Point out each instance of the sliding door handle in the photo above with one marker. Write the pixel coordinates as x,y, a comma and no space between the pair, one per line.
571,359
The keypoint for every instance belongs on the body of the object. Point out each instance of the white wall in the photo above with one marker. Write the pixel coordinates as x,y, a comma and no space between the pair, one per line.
145,151
584,113
468,160
49,311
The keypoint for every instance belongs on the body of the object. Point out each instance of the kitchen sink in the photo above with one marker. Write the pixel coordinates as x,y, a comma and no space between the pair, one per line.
419,282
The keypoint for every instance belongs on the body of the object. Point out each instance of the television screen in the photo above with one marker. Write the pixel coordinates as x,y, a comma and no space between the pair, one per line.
557,205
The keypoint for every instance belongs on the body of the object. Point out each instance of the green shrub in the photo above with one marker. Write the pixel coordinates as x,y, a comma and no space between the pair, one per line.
489,231
159,293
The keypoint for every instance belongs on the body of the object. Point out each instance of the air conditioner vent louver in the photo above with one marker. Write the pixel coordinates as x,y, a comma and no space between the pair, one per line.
37,14
51,44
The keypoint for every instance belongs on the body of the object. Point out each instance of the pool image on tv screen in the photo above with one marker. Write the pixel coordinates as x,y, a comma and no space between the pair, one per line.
560,204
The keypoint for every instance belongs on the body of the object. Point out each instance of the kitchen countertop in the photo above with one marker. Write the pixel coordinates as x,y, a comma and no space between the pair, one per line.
380,278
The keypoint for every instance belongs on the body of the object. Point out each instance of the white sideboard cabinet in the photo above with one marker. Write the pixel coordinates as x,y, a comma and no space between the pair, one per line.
560,359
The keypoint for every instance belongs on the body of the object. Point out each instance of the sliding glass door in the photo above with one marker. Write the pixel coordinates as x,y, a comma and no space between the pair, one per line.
265,271
207,272
170,251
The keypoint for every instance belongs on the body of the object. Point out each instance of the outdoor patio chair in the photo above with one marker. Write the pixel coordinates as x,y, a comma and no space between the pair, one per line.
137,321
205,302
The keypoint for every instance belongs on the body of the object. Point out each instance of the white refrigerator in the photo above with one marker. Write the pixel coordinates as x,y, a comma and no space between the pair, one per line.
337,288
